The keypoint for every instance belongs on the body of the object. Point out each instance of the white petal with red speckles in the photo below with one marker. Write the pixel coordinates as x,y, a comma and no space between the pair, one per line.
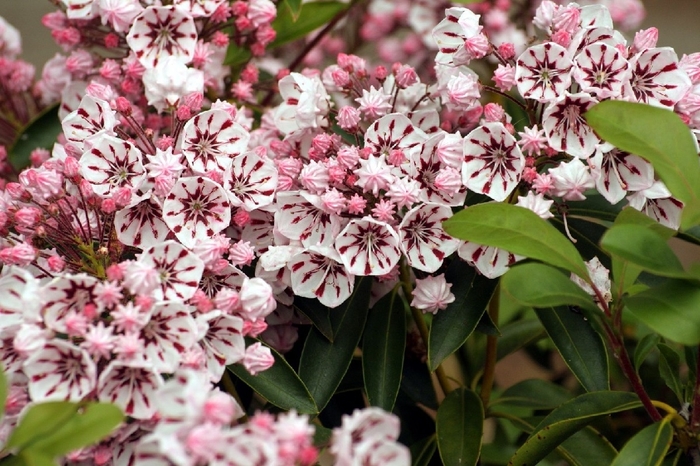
489,261
621,172
543,72
251,181
93,116
195,208
60,371
368,247
565,127
179,270
131,386
319,273
493,162
170,332
425,166
64,294
602,70
657,79
394,132
141,225
211,140
223,344
423,241
160,32
112,163
300,219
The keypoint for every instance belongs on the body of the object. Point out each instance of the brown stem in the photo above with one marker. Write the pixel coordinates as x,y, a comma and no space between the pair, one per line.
491,350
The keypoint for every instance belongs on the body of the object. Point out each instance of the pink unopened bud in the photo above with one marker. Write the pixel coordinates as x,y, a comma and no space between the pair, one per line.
56,263
241,218
562,38
494,112
645,39
111,40
506,50
380,73
123,106
220,408
183,113
108,206
406,76
348,118
341,78
257,358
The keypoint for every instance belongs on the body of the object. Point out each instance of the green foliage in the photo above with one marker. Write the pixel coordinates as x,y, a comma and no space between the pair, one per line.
323,363
460,424
569,418
582,349
382,350
280,385
670,310
517,230
452,326
41,132
659,136
648,447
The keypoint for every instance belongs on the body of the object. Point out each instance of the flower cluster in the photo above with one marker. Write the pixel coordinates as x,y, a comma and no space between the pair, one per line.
179,211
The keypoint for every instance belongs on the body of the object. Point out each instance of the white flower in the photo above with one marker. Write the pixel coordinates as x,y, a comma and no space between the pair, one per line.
432,294
170,81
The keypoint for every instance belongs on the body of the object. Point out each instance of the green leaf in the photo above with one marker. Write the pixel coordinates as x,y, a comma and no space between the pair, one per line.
294,7
518,230
312,16
659,136
595,206
518,334
540,285
35,458
669,369
3,391
417,383
569,418
641,246
452,326
423,451
670,310
236,56
382,350
644,347
581,347
648,447
39,421
323,364
280,385
318,314
41,132
92,423
460,424
585,447
534,393
322,436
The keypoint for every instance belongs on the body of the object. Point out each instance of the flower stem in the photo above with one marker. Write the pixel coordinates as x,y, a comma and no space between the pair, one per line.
491,350
695,413
422,327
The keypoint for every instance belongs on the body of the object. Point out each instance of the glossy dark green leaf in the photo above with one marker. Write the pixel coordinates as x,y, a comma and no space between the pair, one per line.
312,16
669,369
587,233
641,246
323,363
318,314
452,326
585,447
581,347
569,418
31,458
487,326
382,350
417,383
645,346
460,424
659,136
322,436
595,206
280,385
648,447
534,393
518,230
423,451
294,7
541,285
670,310
92,423
39,421
518,334
39,133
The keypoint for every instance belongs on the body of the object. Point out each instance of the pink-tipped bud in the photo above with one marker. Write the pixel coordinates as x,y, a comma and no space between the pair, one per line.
494,113
645,39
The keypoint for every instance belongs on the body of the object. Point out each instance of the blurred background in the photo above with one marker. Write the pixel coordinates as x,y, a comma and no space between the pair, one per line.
678,22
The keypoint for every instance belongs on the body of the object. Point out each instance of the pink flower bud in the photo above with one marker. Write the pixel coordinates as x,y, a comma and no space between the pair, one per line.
506,50
406,76
220,409
111,40
494,112
380,73
645,39
562,38
348,118
341,78
504,77
258,358
241,253
256,297
241,218
56,263
123,106
227,300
